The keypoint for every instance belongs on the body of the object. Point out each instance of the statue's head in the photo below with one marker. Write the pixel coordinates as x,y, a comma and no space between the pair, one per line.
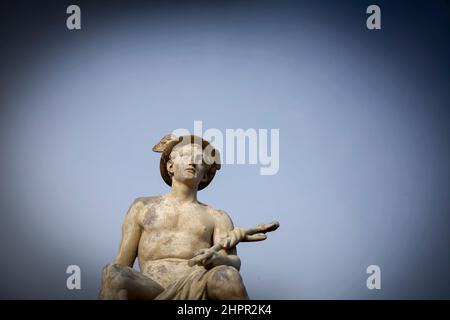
187,159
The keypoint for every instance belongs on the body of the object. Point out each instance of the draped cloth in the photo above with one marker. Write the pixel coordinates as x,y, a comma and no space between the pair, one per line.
189,287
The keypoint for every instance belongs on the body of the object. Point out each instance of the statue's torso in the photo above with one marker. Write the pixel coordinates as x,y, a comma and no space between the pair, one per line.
171,234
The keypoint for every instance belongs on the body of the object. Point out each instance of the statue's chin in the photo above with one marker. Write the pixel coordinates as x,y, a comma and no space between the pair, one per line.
190,181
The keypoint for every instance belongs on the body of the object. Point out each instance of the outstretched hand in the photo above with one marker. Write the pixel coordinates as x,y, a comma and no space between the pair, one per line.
207,256
259,233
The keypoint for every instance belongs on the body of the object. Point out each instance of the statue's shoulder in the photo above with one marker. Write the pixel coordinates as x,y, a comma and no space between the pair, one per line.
219,215
140,205
148,200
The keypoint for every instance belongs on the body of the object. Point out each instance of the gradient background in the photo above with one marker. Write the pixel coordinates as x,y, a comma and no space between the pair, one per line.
364,137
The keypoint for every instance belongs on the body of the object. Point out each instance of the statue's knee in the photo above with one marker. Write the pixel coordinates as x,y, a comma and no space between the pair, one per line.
115,272
222,274
226,283
123,282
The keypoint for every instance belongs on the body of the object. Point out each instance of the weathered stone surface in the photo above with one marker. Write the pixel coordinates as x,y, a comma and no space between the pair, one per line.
186,249
124,283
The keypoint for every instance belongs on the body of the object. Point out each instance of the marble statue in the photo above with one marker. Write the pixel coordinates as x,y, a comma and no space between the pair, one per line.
185,248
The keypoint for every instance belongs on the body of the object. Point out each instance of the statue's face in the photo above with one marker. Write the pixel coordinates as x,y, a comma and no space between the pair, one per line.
186,164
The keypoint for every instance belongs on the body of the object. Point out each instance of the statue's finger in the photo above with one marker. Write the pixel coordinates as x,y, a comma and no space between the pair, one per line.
233,241
206,261
255,237
269,227
193,262
199,252
206,255
227,243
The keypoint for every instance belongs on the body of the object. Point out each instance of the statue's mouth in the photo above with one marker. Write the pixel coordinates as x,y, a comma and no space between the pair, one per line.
192,170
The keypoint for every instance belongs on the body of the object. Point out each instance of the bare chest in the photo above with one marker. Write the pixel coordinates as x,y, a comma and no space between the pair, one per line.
194,220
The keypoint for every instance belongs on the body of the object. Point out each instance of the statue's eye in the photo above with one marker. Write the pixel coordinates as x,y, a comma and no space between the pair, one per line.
198,158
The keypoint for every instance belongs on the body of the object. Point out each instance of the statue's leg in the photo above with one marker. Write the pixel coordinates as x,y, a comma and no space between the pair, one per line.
225,283
124,283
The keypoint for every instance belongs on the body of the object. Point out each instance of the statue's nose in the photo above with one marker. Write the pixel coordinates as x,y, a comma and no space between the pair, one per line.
191,162
195,159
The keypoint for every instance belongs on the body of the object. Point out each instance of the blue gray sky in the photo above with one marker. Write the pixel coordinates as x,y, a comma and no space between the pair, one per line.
364,138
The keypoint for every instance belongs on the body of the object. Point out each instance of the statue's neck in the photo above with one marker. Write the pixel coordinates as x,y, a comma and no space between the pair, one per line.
182,192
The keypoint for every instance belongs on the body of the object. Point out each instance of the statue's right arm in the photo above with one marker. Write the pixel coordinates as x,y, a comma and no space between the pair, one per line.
131,233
